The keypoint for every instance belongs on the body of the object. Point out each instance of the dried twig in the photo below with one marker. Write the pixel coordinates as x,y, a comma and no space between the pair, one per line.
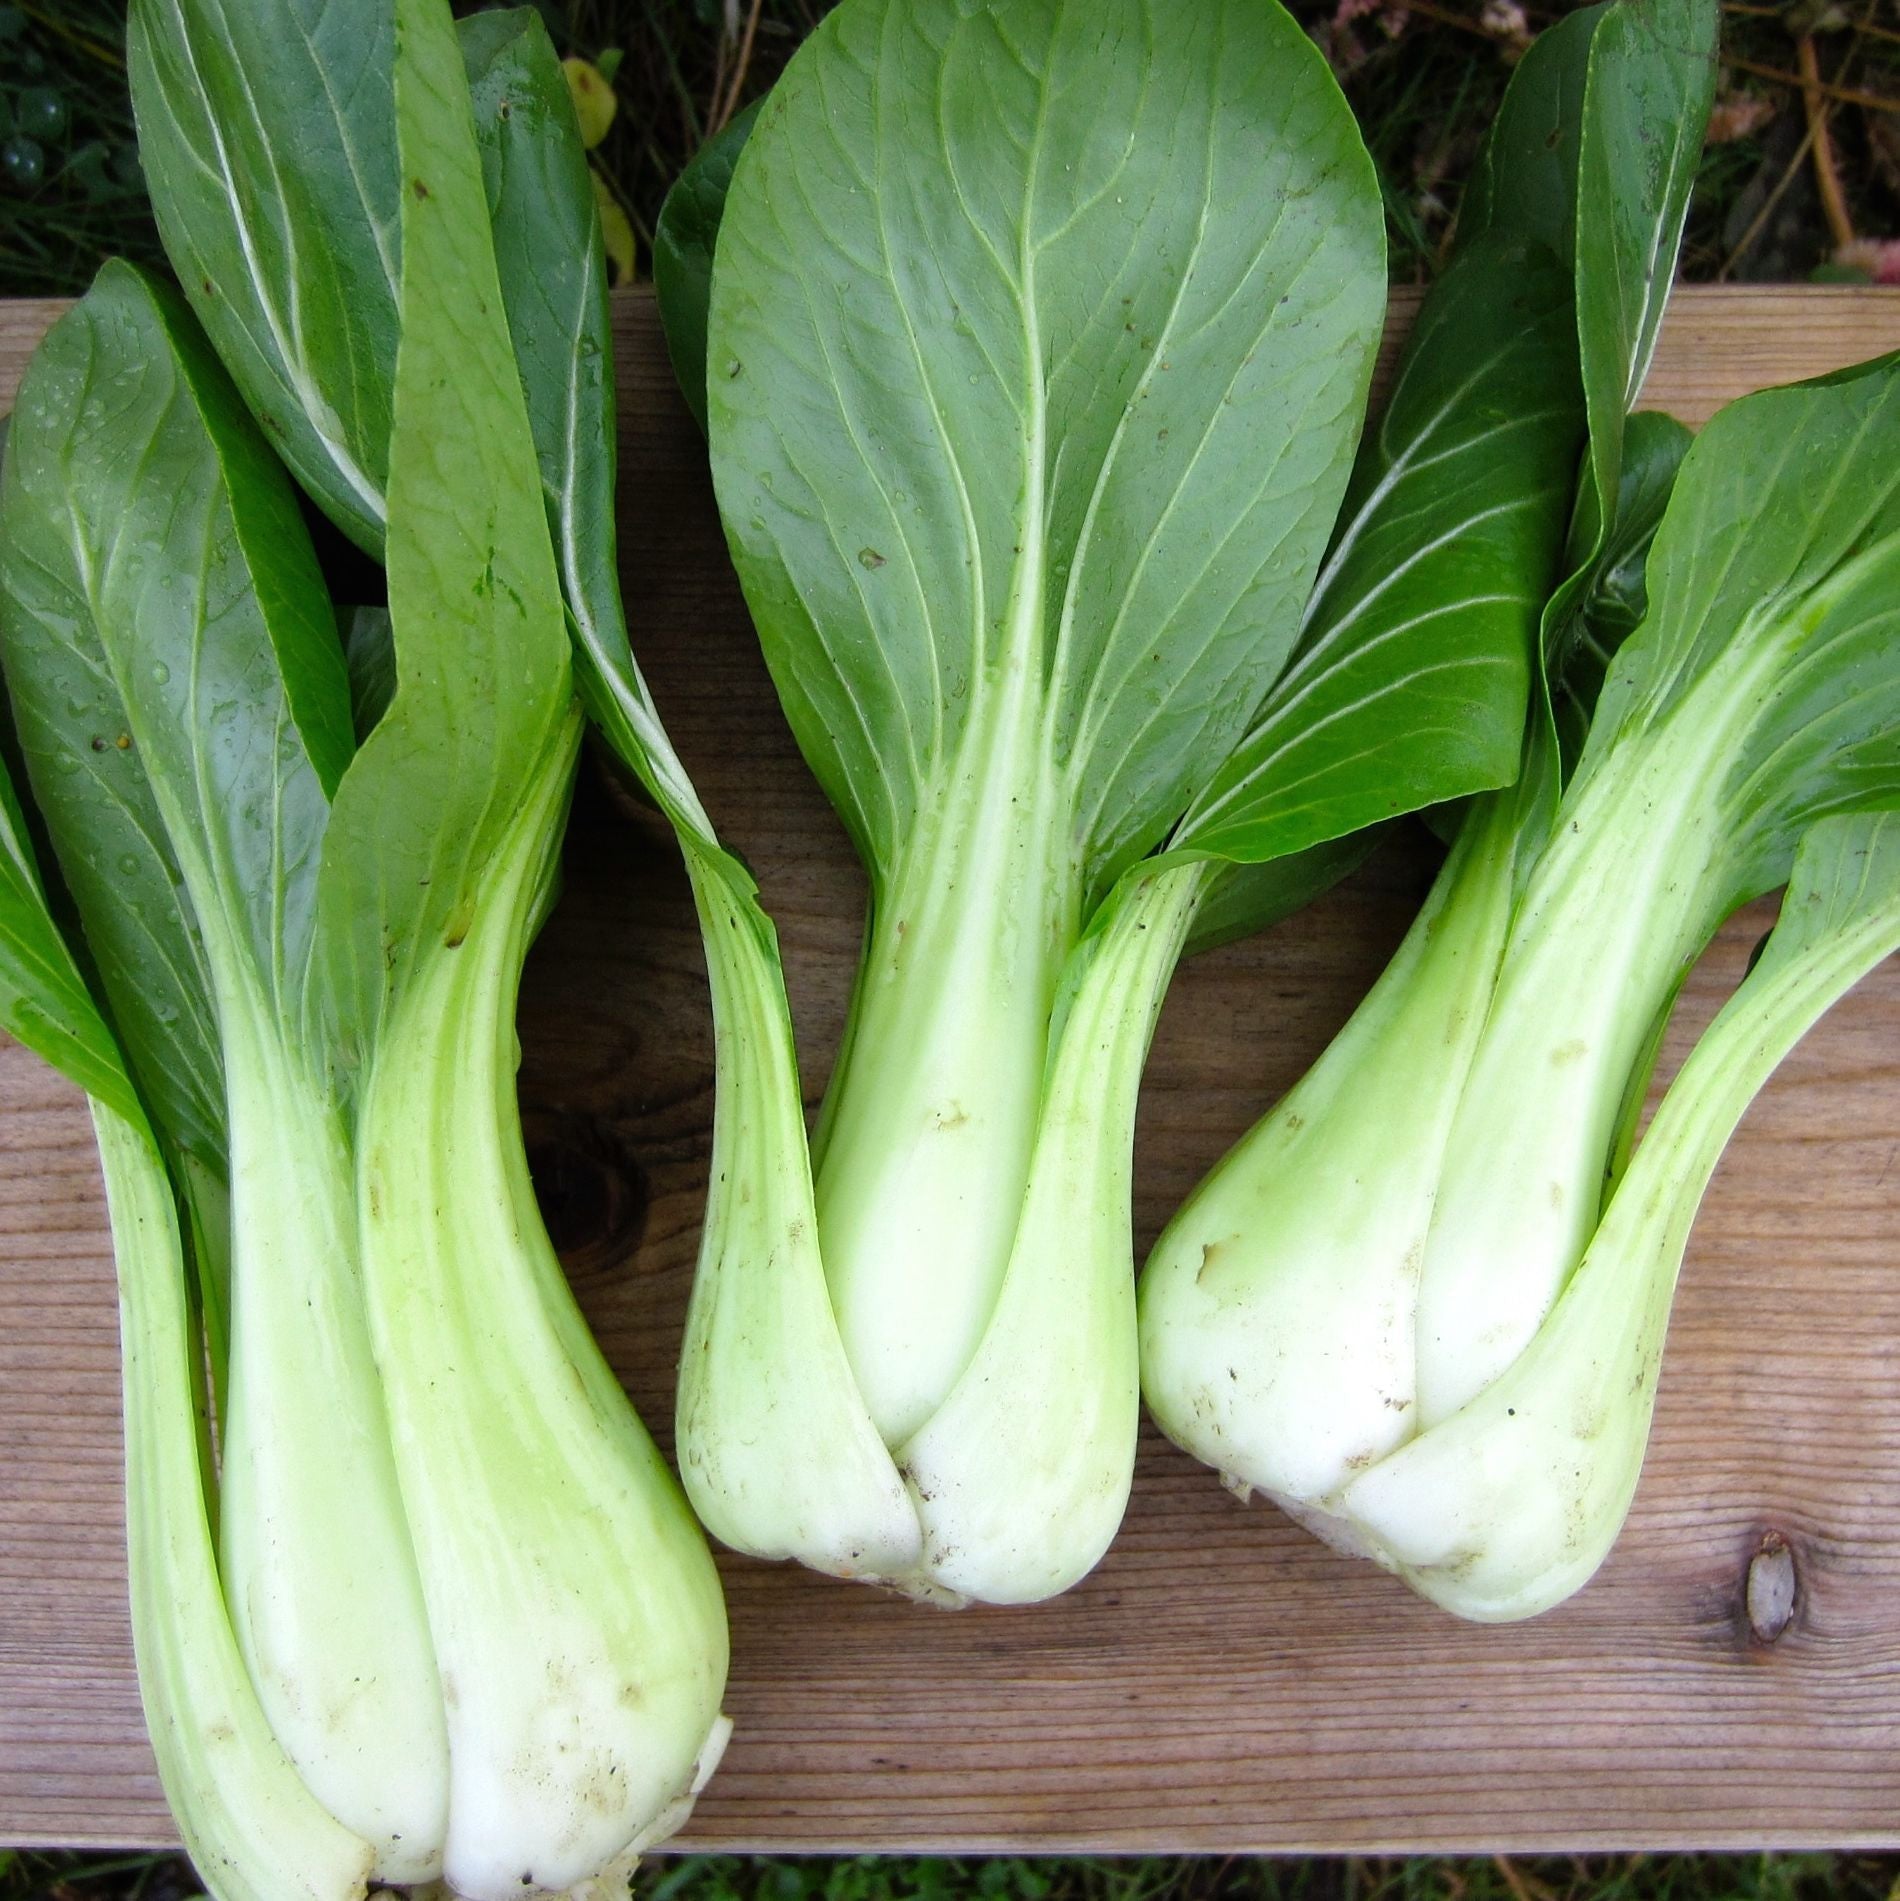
1767,211
1840,95
736,84
1445,17
1826,173
93,49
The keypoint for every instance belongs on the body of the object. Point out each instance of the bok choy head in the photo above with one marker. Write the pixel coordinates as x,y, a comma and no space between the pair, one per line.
1457,1376
477,1622
1280,1307
180,699
1036,356
244,1813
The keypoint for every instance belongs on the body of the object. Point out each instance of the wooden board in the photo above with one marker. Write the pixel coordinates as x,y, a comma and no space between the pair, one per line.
1221,1682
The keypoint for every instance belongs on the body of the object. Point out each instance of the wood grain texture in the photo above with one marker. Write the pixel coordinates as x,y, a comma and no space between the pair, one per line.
1221,1682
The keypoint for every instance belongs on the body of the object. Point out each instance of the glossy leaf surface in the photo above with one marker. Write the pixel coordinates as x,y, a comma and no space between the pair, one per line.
267,138
1092,435
1775,582
95,388
1413,669
204,598
553,276
1652,81
277,190
483,685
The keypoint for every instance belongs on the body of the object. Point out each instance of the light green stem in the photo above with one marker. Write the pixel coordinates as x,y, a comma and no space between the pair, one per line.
777,1449
250,1825
577,1618
1021,1476
332,1626
1513,1502
1279,1308
1629,888
925,1147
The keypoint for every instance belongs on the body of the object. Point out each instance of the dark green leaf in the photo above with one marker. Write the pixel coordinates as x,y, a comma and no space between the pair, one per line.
1615,597
1652,81
327,190
1413,669
88,777
183,540
554,286
44,1002
1593,155
1524,184
683,244
369,650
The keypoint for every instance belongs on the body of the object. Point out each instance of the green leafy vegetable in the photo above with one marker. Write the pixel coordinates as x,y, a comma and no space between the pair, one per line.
570,1596
1471,1327
486,1641
1280,1266
323,388
554,287
1754,702
1029,513
193,610
268,135
1451,529
1511,1503
246,1816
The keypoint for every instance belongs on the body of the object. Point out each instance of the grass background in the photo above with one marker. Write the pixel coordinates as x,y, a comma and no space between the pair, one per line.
1801,180
1807,1877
